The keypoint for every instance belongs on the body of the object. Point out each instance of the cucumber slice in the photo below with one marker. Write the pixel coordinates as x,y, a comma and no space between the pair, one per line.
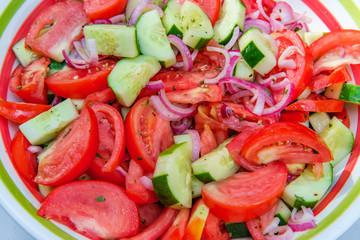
295,168
130,75
152,39
196,185
172,176
24,55
350,93
310,37
243,71
306,190
333,91
232,14
45,190
171,19
196,25
257,51
116,40
237,230
339,139
283,213
131,5
305,93
47,125
319,121
216,165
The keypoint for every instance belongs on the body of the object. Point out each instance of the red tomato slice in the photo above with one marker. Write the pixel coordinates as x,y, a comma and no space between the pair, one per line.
28,84
211,93
104,96
332,40
252,6
79,83
210,7
310,105
148,213
158,227
321,81
147,134
285,141
103,9
96,209
134,188
214,229
24,161
177,230
65,20
196,223
207,141
71,152
21,112
343,116
255,229
246,195
301,75
294,116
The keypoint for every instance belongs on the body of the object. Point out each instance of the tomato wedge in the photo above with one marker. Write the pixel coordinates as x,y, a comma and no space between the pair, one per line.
103,9
314,105
210,93
246,195
177,230
71,153
210,7
79,83
63,22
285,141
28,83
294,116
148,213
92,208
207,141
21,112
252,6
214,229
147,134
339,75
301,75
255,229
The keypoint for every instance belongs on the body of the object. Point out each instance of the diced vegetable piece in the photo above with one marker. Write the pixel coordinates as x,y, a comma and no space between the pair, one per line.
171,19
283,213
24,55
319,121
350,93
237,230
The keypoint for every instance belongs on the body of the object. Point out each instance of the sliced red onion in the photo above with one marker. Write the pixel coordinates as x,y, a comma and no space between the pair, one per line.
180,126
302,220
280,233
288,63
162,110
184,51
232,65
121,171
222,74
253,15
226,111
262,10
260,103
288,93
283,11
73,62
239,82
101,21
117,19
155,85
184,112
258,23
181,64
57,99
81,47
147,183
280,85
138,10
241,94
34,149
235,36
272,78
342,51
276,25
273,224
153,6
195,143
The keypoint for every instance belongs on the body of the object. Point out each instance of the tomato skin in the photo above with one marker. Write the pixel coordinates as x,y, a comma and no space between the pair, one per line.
79,83
246,195
66,20
147,134
21,112
293,137
24,161
301,75
72,153
294,116
134,188
211,93
310,105
148,213
207,141
332,40
210,7
158,227
82,205
103,9
104,96
28,83
343,116
252,6
321,81
214,229
255,229
177,230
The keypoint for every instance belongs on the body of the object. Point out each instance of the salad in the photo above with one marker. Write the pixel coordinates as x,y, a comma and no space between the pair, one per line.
181,119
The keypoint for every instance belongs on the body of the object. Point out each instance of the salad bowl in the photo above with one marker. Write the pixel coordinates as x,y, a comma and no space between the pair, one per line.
337,211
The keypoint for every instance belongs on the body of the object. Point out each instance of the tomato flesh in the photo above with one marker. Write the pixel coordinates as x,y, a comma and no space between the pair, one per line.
210,7
246,195
103,9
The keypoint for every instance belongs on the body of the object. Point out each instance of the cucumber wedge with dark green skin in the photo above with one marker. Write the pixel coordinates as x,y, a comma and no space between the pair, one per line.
283,213
350,93
172,176
237,230
171,18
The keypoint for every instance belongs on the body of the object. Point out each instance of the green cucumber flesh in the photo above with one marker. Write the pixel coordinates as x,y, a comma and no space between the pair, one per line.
350,93
319,121
232,14
24,55
216,165
306,190
152,39
171,18
115,40
243,70
257,51
283,213
131,5
333,91
310,37
237,230
339,139
196,185
172,176
130,75
196,26
47,125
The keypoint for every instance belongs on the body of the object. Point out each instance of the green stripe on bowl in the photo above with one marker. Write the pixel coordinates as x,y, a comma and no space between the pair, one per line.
8,13
353,9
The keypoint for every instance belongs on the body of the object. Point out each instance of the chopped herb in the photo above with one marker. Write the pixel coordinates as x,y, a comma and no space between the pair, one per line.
218,68
29,47
202,82
285,92
91,104
67,133
143,221
139,158
139,132
100,199
315,152
99,156
19,87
